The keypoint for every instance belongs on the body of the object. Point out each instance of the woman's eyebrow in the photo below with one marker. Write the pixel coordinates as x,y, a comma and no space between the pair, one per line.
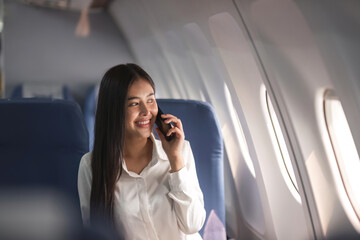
132,98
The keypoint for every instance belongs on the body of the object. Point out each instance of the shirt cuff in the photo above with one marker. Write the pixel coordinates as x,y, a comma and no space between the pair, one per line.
178,180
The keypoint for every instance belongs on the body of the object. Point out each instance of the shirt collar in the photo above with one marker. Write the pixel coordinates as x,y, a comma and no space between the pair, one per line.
157,153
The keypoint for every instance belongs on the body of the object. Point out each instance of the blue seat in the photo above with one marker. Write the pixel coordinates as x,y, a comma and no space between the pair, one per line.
41,144
89,112
202,130
42,90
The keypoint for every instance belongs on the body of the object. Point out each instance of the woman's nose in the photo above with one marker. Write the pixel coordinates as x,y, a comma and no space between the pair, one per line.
144,110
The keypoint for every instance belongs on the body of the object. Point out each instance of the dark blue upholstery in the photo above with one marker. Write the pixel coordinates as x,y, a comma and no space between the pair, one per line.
41,144
18,93
89,112
202,130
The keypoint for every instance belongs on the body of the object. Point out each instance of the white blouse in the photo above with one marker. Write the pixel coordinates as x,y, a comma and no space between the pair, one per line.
154,204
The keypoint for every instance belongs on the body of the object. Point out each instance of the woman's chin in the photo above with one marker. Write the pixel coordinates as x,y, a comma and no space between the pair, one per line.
145,134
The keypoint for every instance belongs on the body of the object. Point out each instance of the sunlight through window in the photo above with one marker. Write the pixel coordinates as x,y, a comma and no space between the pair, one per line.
280,147
239,132
346,155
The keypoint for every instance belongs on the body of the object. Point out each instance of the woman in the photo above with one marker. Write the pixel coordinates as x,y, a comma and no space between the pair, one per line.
146,188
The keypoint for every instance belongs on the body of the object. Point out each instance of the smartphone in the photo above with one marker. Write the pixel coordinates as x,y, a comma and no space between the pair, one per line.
164,127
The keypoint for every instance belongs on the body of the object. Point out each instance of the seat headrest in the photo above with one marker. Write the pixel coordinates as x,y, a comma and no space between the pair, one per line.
41,123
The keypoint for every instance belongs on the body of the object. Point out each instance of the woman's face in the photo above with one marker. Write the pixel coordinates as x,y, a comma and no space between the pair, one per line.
140,110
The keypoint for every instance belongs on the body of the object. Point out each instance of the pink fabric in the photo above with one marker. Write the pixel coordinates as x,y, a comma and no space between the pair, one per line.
214,228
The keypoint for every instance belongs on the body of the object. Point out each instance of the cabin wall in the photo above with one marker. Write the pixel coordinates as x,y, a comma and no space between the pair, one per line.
304,51
40,46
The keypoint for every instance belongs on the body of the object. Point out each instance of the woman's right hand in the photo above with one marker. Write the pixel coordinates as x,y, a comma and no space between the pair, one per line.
173,148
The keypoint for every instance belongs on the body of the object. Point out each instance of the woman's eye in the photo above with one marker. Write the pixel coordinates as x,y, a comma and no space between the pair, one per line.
150,100
133,104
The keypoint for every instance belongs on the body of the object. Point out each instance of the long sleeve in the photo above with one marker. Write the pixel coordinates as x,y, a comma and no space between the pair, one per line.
84,187
187,195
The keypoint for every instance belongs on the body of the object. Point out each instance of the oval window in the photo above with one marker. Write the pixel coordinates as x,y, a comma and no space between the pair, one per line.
281,151
344,149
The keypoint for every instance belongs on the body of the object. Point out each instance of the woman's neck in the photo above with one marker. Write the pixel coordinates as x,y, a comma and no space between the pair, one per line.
137,149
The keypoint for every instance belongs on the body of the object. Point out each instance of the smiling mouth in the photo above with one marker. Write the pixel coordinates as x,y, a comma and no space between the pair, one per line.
143,123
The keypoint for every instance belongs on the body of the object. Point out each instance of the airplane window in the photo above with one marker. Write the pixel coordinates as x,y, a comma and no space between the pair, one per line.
344,149
239,132
280,148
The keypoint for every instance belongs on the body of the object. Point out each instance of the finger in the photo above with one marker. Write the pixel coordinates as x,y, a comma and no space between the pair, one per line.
167,116
177,122
178,132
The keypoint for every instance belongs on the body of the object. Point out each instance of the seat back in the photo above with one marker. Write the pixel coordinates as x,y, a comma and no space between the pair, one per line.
41,144
202,130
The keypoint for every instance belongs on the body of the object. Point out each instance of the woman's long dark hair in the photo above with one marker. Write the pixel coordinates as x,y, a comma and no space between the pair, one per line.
107,155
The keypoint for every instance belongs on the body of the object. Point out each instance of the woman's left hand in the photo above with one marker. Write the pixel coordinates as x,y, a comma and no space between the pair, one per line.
173,148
